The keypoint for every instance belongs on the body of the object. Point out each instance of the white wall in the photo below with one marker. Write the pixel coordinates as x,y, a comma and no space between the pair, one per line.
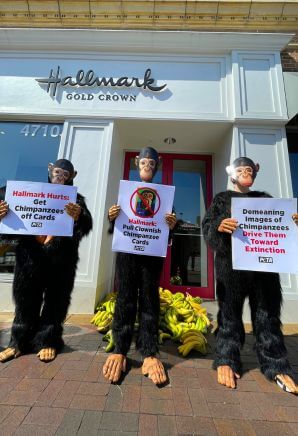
88,145
107,257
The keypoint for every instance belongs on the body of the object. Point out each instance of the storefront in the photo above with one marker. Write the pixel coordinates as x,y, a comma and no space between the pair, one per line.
97,97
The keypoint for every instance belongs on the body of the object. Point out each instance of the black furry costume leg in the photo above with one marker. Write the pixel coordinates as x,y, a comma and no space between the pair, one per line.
148,310
126,304
265,303
265,300
230,331
28,287
56,302
138,283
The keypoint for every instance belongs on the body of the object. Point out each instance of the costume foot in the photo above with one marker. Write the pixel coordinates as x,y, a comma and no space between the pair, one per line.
9,353
114,366
47,354
226,376
286,383
154,369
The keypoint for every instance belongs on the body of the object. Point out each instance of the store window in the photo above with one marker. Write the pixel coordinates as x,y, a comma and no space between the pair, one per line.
26,150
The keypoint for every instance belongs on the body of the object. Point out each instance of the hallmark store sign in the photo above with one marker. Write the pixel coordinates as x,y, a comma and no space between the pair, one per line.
130,87
92,82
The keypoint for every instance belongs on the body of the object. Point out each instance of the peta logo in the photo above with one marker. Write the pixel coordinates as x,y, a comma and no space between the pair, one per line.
265,259
138,248
36,224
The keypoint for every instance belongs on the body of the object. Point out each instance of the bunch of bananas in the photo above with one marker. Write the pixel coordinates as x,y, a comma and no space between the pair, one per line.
182,318
183,314
192,340
106,309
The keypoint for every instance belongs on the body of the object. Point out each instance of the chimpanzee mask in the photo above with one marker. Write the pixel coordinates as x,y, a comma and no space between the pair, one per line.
147,163
61,172
243,171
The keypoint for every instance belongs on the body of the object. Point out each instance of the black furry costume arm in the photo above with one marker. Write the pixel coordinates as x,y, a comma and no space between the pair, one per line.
219,209
84,224
111,226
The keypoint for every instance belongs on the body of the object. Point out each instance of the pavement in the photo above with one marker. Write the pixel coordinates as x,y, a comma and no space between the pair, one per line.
69,396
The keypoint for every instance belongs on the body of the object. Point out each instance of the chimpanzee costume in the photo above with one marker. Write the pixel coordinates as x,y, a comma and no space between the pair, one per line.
138,278
233,286
44,276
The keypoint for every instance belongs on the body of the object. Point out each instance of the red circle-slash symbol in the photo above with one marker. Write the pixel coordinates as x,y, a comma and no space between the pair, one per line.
145,202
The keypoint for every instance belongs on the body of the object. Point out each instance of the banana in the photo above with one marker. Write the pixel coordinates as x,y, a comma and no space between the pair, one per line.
198,343
205,318
185,312
171,316
168,293
190,338
178,303
98,317
179,332
186,348
111,343
101,317
201,325
196,300
190,318
93,319
178,295
105,323
190,333
162,336
201,348
107,336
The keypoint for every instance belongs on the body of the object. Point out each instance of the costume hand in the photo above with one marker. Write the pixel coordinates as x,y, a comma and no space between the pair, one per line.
114,212
226,376
73,210
3,209
171,220
228,225
295,218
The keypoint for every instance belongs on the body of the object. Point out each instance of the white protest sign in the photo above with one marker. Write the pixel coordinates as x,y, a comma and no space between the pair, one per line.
266,238
141,227
38,209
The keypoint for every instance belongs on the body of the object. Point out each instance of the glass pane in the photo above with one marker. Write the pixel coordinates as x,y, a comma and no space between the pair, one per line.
293,154
134,174
189,251
26,150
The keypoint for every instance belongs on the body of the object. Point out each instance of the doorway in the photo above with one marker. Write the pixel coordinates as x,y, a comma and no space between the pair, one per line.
189,263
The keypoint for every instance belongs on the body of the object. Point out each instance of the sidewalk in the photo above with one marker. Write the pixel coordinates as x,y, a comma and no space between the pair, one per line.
69,395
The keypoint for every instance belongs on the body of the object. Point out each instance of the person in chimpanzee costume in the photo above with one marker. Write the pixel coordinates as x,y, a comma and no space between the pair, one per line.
44,277
233,286
138,278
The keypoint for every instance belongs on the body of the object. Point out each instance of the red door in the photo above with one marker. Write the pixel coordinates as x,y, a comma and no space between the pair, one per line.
189,263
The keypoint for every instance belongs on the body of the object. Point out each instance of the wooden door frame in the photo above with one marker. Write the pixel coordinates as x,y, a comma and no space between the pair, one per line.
167,179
